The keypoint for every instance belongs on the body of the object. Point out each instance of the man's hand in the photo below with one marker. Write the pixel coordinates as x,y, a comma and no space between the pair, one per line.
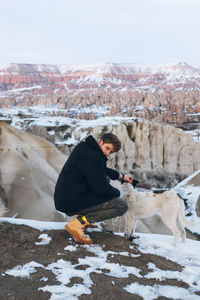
126,177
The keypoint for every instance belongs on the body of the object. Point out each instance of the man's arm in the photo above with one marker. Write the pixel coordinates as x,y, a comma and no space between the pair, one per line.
114,175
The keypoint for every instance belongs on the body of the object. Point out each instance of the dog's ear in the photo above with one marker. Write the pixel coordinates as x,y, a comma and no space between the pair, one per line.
135,182
122,181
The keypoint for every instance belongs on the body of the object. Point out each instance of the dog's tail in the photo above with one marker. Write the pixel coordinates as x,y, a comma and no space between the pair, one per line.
182,218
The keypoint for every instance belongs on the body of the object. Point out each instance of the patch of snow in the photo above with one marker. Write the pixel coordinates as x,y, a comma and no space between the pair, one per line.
71,248
45,239
156,244
17,91
62,292
44,279
25,270
148,292
40,225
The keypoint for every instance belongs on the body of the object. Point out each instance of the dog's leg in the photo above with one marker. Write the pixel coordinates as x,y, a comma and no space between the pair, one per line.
170,222
130,220
180,223
182,230
132,237
176,234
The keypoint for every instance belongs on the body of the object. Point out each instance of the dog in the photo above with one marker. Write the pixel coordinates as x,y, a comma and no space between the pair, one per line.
168,204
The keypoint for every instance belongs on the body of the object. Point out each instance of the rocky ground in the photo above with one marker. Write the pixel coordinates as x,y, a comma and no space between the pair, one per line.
17,247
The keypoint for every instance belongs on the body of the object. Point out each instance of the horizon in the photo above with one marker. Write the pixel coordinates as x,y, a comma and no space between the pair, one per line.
105,63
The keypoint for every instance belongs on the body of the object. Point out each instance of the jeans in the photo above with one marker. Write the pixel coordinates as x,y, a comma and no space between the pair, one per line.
110,209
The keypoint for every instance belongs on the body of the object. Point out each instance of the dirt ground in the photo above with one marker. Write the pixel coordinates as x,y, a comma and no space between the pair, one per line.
17,247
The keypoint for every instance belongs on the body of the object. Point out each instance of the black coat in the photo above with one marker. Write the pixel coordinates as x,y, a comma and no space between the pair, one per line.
82,182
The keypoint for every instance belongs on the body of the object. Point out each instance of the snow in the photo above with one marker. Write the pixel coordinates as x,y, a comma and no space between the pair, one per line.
45,239
185,254
195,134
71,248
174,69
40,225
153,292
25,270
44,279
14,91
191,193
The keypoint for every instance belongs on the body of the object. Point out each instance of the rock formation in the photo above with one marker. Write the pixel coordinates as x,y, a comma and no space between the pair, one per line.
29,167
164,93
146,145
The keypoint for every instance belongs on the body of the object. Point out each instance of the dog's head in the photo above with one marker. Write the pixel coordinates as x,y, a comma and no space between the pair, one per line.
134,182
128,189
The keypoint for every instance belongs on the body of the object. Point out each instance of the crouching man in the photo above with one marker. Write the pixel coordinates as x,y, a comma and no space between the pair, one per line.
83,187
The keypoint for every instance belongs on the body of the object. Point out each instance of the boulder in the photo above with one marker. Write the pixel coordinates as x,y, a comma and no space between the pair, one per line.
42,132
29,169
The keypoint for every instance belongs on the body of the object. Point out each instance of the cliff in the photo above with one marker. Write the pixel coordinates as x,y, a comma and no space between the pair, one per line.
145,145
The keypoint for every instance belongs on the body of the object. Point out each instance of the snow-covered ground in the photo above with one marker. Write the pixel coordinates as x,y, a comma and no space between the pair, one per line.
187,255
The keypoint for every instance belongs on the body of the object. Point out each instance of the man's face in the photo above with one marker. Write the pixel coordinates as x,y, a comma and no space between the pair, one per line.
106,148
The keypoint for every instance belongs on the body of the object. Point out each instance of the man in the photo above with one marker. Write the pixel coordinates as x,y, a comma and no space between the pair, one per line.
83,187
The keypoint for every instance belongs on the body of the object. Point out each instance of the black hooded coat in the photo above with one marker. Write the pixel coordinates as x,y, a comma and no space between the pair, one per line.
82,182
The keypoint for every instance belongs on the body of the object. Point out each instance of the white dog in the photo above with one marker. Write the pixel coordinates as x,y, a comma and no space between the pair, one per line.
145,204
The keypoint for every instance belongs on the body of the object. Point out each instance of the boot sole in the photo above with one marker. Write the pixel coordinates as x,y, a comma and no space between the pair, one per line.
77,237
92,226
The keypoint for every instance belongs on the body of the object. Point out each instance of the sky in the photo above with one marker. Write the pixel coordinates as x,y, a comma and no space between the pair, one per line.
94,31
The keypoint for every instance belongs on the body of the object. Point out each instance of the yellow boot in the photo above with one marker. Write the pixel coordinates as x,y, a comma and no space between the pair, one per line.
76,228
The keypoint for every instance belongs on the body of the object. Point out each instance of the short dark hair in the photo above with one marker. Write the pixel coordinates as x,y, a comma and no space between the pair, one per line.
111,138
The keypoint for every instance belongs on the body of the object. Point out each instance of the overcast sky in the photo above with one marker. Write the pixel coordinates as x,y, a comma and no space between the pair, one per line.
98,31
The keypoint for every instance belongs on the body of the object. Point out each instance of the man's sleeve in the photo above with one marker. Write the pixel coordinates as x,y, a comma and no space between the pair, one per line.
95,175
114,175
